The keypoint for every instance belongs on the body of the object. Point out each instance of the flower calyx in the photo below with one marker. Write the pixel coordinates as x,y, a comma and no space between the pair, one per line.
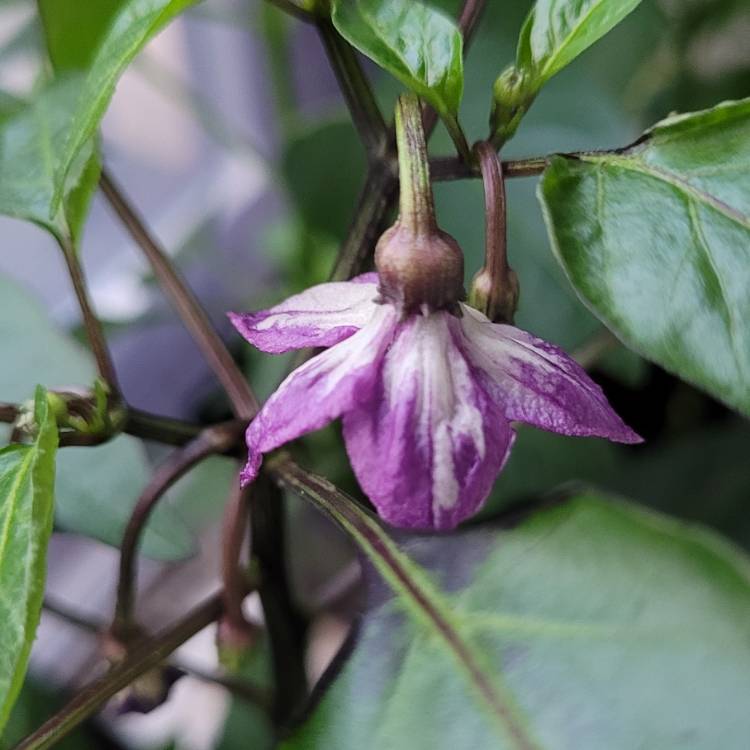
421,268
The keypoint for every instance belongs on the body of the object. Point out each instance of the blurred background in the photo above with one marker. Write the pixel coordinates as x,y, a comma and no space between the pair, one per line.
230,137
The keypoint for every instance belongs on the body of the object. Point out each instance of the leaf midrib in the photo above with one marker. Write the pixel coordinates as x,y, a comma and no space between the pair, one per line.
632,164
23,471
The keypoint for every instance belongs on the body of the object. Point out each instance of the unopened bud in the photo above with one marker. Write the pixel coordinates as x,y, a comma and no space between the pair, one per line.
235,642
498,301
512,95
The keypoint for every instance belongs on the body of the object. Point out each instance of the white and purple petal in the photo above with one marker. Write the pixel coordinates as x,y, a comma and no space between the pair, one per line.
538,383
428,447
320,316
335,381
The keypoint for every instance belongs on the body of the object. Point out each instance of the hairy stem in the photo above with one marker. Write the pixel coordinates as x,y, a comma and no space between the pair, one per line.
186,303
355,88
143,657
210,441
94,332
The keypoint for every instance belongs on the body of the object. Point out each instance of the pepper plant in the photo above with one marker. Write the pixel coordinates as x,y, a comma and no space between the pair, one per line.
502,605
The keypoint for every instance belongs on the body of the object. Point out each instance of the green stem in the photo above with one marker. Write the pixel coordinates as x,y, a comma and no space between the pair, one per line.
458,137
416,204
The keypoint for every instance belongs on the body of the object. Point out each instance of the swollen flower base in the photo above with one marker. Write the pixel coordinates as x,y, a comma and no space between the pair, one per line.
427,398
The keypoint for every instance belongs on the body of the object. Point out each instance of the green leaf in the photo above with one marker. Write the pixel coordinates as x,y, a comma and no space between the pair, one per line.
27,482
655,240
44,353
417,44
107,43
32,139
557,31
72,31
553,35
35,703
541,461
97,490
587,624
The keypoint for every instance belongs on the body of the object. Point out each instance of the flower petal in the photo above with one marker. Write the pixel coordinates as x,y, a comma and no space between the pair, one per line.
427,449
320,316
538,383
320,390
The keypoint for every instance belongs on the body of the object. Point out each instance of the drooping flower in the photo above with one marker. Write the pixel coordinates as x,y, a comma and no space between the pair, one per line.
427,400
427,387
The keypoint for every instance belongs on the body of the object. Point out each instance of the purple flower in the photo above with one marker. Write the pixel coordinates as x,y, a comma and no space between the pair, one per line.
427,398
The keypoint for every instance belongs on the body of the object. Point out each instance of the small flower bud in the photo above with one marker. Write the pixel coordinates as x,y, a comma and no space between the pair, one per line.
235,643
497,302
512,96
494,290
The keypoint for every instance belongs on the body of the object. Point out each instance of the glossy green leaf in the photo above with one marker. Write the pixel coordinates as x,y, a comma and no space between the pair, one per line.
655,240
72,31
32,140
554,34
27,484
417,44
588,624
44,353
107,44
557,31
